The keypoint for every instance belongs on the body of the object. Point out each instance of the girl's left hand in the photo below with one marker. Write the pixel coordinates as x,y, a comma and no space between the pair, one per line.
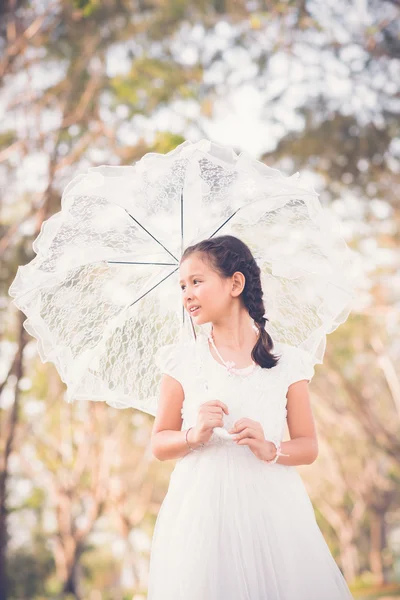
251,434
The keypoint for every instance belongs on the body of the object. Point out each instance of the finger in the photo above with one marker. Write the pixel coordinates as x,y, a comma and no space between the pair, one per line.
236,428
217,412
247,432
224,407
215,418
242,423
245,441
214,410
218,403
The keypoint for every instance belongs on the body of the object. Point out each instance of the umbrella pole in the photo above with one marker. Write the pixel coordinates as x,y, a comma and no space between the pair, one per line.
192,329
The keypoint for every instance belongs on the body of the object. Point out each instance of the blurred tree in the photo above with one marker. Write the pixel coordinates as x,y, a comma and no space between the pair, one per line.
357,423
29,568
90,461
85,83
72,457
8,426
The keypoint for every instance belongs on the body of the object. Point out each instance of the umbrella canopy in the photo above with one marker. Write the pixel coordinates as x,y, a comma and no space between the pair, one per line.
102,294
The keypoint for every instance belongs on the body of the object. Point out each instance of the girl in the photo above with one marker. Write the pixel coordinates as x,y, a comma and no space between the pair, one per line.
237,522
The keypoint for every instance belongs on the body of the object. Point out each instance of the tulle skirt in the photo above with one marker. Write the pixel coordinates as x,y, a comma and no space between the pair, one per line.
232,527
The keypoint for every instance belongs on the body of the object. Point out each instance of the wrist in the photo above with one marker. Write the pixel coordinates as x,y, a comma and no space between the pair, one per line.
277,452
270,451
193,437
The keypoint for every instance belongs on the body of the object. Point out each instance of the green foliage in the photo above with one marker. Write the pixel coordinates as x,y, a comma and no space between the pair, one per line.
7,137
29,568
152,83
88,7
165,142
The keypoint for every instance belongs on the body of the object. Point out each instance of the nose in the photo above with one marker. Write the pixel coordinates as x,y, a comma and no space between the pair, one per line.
186,297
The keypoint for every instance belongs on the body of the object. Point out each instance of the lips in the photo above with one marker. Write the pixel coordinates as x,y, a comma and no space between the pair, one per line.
194,309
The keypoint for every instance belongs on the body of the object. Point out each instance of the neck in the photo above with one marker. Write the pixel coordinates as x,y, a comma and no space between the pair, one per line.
236,334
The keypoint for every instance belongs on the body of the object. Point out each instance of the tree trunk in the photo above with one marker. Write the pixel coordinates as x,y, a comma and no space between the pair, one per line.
346,528
377,544
348,553
67,554
71,584
3,548
7,446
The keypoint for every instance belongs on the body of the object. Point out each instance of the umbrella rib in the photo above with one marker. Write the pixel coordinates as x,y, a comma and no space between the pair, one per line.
154,286
183,308
151,235
181,222
127,262
225,222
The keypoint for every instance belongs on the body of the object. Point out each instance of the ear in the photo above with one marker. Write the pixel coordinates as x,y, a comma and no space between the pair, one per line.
238,283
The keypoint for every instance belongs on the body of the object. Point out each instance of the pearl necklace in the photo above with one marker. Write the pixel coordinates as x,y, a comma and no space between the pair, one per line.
230,365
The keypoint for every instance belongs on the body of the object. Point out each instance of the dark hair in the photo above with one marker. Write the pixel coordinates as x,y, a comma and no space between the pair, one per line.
226,255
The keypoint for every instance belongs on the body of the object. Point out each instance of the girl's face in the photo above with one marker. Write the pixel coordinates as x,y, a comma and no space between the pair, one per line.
204,288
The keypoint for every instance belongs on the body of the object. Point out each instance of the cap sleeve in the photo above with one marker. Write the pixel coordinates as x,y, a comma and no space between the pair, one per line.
300,365
169,360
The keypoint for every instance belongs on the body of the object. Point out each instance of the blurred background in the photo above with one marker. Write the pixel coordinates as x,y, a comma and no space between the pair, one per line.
303,86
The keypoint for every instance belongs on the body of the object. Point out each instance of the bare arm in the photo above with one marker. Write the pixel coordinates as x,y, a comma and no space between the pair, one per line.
167,439
303,444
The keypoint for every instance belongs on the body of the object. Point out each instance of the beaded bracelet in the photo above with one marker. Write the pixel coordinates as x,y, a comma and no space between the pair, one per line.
278,453
187,431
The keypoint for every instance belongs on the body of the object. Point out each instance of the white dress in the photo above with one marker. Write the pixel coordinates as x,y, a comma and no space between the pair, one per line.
232,527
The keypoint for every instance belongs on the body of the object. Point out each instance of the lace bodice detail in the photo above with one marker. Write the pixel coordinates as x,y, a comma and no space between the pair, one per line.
259,394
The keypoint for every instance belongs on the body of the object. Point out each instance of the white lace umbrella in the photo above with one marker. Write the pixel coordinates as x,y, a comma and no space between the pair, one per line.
102,294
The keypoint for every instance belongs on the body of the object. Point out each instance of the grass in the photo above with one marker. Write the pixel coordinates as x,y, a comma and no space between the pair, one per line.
390,591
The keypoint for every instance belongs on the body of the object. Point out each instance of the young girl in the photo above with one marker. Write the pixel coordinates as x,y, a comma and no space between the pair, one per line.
237,522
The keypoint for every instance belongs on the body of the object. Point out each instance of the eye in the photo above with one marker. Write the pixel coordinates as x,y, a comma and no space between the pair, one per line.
194,281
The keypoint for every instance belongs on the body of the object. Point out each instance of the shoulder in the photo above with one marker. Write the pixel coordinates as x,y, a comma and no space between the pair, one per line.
173,359
296,362
290,352
173,352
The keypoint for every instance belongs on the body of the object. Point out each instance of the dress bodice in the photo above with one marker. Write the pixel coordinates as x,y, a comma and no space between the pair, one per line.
257,393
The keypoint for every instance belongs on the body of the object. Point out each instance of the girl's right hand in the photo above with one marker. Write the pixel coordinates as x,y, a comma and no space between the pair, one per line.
210,415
